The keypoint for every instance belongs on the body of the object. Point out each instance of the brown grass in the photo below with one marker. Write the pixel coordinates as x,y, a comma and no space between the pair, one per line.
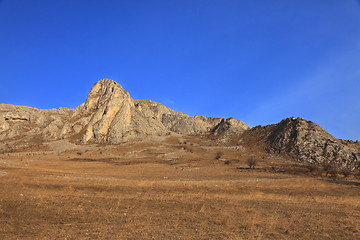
152,190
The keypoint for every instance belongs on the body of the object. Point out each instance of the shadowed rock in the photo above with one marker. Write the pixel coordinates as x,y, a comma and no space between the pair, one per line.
306,141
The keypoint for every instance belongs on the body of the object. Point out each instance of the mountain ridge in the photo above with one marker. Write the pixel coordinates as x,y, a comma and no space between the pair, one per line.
110,115
308,142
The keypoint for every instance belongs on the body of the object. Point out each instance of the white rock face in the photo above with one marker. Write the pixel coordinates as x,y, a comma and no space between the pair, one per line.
3,124
116,117
230,126
109,115
109,103
27,122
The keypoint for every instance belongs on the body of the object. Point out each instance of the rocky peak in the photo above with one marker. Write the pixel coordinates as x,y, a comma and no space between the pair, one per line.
306,141
103,92
113,116
230,126
110,115
108,103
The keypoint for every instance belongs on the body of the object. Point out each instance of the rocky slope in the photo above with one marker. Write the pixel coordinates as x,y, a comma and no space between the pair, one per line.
306,141
109,115
17,122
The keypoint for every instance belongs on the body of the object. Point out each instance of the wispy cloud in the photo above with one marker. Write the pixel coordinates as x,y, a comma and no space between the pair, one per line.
329,96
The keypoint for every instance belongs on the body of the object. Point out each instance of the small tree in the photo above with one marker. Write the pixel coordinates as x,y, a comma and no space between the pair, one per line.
251,162
328,167
331,169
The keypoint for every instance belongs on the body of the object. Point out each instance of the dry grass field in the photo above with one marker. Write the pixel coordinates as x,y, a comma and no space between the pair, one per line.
170,188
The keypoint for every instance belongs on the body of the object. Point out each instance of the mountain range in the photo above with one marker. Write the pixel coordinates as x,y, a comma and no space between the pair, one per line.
110,116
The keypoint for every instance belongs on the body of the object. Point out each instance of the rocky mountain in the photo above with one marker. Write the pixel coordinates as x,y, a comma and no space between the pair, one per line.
306,141
18,122
109,115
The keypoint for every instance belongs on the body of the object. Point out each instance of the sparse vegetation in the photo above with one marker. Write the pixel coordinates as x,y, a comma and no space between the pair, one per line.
346,172
313,168
251,161
327,166
227,162
218,155
163,192
331,169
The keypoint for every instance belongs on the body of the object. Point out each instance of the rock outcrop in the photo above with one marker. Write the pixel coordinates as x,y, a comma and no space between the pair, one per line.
109,115
116,117
25,122
17,116
306,141
230,126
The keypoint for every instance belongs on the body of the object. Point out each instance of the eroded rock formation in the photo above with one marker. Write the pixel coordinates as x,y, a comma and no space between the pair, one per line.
306,141
26,122
109,115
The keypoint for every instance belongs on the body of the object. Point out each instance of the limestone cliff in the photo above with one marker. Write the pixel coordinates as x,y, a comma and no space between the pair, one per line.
25,122
116,117
109,115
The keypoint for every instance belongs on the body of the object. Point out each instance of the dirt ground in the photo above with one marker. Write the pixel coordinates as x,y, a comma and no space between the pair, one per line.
169,188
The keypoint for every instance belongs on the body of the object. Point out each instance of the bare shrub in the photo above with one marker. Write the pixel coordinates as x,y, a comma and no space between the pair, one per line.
182,141
314,169
345,172
331,170
251,161
218,155
327,167
334,173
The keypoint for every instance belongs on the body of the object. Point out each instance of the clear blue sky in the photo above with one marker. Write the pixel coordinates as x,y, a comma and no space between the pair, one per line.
258,61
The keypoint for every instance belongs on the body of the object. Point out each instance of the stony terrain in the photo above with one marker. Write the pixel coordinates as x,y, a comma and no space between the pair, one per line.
307,142
120,168
17,122
170,187
110,115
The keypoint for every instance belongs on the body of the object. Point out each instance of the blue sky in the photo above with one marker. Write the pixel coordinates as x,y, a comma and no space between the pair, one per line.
258,61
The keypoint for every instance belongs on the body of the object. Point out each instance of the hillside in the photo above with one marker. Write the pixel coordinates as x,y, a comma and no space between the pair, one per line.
120,168
111,116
